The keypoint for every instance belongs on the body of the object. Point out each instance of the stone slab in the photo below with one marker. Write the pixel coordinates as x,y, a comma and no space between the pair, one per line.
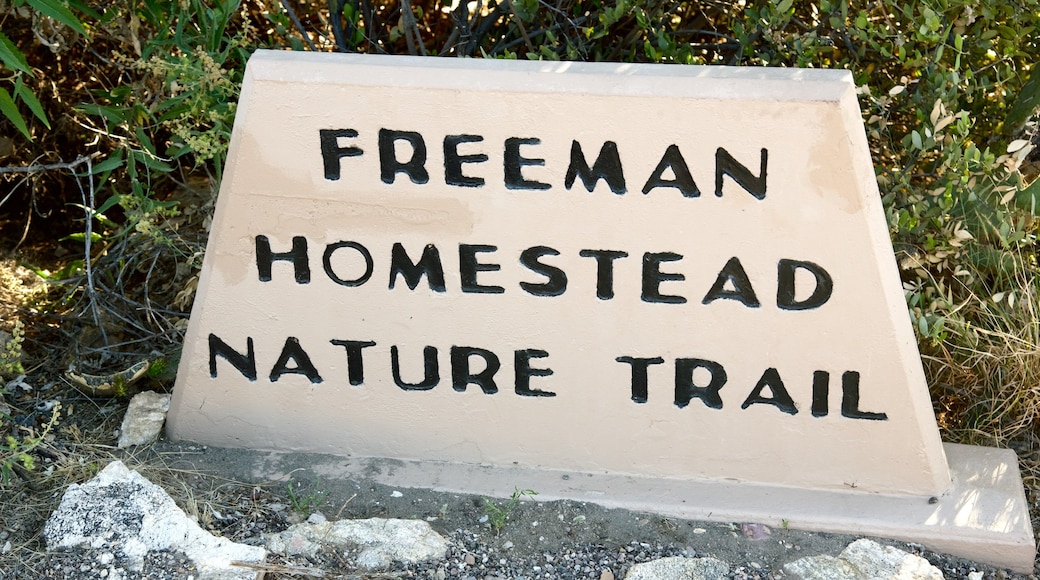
652,270
984,517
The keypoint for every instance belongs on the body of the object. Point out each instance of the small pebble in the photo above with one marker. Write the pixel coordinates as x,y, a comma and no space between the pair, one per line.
316,518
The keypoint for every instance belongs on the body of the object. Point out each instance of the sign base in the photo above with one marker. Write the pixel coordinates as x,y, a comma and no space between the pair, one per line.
983,517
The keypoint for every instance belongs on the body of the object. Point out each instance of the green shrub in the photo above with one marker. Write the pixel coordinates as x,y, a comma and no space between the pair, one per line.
57,14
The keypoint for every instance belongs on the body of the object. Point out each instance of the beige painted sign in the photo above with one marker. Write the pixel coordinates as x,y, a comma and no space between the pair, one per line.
664,271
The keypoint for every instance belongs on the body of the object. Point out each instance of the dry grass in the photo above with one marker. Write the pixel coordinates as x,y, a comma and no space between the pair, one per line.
985,379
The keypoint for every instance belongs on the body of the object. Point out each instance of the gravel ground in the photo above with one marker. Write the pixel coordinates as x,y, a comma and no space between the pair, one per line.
470,557
539,539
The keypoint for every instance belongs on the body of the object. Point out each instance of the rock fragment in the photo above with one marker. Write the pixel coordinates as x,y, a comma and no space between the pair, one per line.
679,568
121,514
378,542
144,418
864,560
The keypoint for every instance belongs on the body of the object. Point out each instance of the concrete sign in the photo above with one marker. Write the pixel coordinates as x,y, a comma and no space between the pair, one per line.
666,272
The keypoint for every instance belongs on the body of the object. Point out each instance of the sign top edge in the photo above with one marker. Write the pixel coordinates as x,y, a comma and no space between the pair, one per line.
749,82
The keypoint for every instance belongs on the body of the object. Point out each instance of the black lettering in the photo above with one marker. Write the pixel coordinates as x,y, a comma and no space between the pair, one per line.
557,278
639,374
331,152
292,350
461,374
326,261
850,399
606,167
524,372
468,268
604,270
733,273
453,161
781,399
243,363
785,285
431,372
653,276
513,162
685,389
725,164
820,391
389,166
297,255
355,364
429,265
683,181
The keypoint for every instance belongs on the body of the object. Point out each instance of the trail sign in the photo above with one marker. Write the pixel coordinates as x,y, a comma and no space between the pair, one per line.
680,273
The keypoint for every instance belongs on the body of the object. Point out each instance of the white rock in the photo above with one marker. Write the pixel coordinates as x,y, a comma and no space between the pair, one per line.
144,418
123,512
821,568
679,568
378,542
864,560
316,518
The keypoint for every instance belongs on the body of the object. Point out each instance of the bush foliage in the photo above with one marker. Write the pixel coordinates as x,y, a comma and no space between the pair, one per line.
949,95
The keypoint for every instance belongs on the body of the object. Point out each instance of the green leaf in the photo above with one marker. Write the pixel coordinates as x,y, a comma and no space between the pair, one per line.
12,57
10,110
108,204
81,237
145,141
26,95
113,162
82,7
1026,104
155,163
1029,198
60,12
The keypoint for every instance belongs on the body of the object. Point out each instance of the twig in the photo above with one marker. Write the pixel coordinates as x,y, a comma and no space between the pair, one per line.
88,209
277,568
406,9
49,166
520,24
299,25
483,27
23,473
336,15
372,27
412,29
345,504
